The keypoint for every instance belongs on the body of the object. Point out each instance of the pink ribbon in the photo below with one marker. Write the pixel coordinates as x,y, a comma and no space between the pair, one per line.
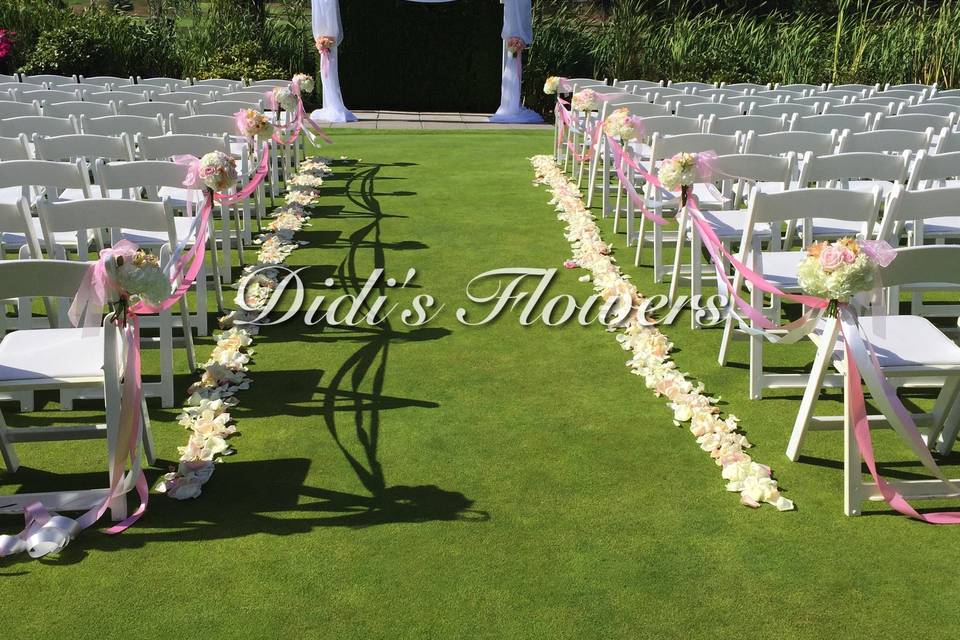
300,120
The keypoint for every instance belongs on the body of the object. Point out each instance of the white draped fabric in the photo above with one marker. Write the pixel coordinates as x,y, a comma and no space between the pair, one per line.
326,22
517,22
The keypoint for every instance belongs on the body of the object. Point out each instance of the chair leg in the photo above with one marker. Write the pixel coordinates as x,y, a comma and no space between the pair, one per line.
118,508
10,459
756,350
658,253
812,391
187,337
941,413
678,254
605,188
696,278
950,429
146,435
726,339
592,173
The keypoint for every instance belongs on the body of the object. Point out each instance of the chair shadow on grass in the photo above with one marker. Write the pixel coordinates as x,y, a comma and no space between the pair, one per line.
364,372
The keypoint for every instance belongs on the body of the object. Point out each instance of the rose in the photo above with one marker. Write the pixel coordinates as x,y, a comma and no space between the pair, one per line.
847,256
830,258
514,46
325,43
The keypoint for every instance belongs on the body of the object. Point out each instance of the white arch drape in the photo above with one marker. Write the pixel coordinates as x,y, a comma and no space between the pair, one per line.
517,22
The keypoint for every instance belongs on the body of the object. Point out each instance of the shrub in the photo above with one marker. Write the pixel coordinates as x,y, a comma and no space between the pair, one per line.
102,42
238,61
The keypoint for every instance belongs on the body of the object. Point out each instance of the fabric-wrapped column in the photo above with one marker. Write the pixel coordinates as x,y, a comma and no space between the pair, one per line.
326,24
517,23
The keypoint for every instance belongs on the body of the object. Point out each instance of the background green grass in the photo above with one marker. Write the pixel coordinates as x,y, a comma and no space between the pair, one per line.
489,482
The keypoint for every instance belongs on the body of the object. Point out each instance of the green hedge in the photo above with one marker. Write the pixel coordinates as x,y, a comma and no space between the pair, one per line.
427,57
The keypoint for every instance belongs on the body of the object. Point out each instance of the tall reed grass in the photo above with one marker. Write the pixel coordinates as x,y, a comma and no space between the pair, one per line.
857,41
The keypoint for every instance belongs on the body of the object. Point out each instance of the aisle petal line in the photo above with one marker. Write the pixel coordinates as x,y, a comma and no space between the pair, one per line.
650,348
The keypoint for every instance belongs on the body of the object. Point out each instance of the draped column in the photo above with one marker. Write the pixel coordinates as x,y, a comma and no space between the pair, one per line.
326,22
517,23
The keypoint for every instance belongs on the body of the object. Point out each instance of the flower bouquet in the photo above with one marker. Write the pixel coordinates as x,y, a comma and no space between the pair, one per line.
551,85
325,43
284,98
253,124
620,124
682,171
515,46
304,81
838,271
138,276
218,171
585,100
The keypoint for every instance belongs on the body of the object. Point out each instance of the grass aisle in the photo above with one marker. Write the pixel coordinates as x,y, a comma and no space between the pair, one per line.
453,481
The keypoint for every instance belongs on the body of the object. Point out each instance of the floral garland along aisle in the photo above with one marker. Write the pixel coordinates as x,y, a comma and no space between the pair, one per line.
651,349
206,414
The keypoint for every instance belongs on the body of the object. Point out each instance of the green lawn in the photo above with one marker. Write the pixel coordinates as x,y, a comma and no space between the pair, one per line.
493,482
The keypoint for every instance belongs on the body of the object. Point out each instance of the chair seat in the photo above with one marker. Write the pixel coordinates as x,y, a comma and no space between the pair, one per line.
71,195
905,341
10,195
184,228
45,354
941,226
779,268
729,225
708,197
869,185
832,228
61,238
178,195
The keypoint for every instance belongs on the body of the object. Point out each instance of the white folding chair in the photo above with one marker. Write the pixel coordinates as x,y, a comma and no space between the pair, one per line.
64,358
168,83
737,175
162,181
710,110
886,141
906,347
47,95
780,267
225,107
88,148
49,79
165,110
828,122
788,109
640,151
107,97
19,109
221,84
709,197
928,216
602,155
914,122
124,218
225,125
745,124
106,80
168,146
115,125
858,109
78,109
46,180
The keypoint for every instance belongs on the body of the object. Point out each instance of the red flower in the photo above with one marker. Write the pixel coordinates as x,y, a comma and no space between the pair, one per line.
6,42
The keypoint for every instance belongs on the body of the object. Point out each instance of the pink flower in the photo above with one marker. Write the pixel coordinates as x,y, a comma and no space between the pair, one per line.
570,264
830,258
847,256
